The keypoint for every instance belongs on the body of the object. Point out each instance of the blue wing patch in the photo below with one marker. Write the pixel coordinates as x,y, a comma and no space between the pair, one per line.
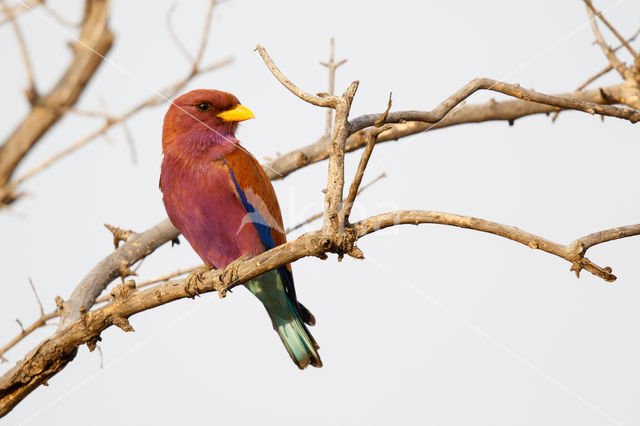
264,232
261,224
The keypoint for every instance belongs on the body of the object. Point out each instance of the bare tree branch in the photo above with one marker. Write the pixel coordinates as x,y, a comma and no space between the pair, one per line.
205,36
80,325
332,222
596,76
19,9
622,69
318,215
611,28
35,293
120,235
94,42
324,101
331,68
57,17
508,111
42,321
573,252
609,67
9,191
115,265
174,35
513,90
364,160
53,354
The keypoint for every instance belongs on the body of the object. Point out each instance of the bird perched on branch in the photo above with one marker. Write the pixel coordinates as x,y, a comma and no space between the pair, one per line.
219,198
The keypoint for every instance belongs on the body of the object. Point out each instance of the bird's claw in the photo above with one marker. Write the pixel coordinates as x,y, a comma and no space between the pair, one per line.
191,282
228,276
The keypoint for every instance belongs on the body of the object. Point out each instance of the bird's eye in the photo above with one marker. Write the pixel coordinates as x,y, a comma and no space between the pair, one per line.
203,106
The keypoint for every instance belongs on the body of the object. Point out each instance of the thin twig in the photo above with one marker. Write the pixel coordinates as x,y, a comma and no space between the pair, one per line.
57,17
20,325
35,293
40,322
20,8
593,78
622,69
611,28
31,92
609,67
89,113
174,35
596,76
125,129
364,160
44,318
205,36
99,348
318,215
119,234
331,69
128,135
322,101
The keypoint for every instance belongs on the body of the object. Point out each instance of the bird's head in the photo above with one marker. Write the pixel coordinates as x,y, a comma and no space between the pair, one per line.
203,118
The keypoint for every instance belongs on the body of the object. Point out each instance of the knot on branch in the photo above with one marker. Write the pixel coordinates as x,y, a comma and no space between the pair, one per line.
123,291
344,243
32,96
121,322
579,262
119,234
125,271
577,250
301,159
607,96
91,344
60,304
83,315
584,263
8,195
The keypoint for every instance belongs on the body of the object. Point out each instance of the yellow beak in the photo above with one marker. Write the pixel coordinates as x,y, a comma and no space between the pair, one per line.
239,113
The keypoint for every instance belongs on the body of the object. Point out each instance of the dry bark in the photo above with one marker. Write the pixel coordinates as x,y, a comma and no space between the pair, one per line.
94,42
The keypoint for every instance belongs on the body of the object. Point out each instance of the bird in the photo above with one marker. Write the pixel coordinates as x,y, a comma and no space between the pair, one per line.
219,197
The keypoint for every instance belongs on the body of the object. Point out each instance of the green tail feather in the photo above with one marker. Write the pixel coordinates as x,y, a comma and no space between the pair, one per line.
286,320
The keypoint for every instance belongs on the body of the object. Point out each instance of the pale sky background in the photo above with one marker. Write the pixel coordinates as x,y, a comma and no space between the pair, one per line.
437,326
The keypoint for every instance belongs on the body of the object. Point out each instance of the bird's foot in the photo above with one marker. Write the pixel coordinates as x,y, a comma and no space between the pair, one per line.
191,282
229,276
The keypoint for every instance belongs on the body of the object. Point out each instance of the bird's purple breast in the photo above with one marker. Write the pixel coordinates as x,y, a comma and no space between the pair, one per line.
202,202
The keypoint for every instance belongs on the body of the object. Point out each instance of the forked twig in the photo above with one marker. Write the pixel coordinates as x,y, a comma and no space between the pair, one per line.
378,128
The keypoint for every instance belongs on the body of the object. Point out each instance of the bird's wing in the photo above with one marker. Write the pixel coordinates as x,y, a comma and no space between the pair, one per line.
260,203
